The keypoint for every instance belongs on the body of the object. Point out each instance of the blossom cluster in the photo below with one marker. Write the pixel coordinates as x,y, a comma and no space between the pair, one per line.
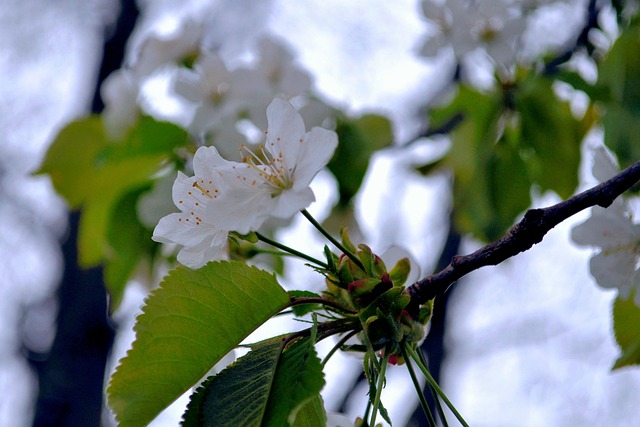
495,27
616,265
225,195
212,97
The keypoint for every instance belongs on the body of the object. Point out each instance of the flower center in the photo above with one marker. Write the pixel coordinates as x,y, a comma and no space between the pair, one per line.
271,170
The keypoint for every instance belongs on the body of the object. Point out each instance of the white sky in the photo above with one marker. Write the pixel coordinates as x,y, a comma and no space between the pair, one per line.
530,341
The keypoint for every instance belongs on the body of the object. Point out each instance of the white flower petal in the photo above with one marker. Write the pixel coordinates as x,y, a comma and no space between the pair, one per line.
292,201
606,229
285,132
605,165
316,151
614,270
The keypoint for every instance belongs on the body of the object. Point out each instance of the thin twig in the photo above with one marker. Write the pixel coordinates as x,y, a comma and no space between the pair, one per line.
522,236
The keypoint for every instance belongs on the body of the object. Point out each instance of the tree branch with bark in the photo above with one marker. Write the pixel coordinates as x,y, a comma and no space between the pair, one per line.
535,224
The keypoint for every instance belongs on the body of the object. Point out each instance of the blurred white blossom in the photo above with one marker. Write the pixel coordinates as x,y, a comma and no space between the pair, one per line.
613,231
119,93
166,47
493,26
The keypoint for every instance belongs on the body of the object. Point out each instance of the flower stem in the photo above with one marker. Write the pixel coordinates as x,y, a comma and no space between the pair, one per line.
292,251
435,396
329,237
432,382
416,384
337,346
376,401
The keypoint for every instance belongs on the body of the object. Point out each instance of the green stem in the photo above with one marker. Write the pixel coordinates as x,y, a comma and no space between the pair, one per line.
329,237
293,301
416,384
376,402
292,251
337,346
435,385
435,396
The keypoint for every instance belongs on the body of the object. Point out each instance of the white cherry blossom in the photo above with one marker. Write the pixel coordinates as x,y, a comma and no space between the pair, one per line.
611,230
225,196
274,180
201,239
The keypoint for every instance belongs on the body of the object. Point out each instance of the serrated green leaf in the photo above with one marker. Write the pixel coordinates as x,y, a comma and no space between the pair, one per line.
359,139
626,318
238,395
299,379
186,327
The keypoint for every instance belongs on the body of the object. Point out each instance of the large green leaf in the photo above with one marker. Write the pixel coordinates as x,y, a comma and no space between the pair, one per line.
186,327
626,326
359,139
270,386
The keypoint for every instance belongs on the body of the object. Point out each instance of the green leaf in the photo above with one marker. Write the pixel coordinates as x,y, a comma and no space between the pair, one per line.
620,74
626,318
471,153
312,414
93,173
359,139
550,136
129,242
510,139
299,379
269,386
238,395
186,327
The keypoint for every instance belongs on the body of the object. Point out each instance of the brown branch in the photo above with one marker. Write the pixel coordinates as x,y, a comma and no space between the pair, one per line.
522,236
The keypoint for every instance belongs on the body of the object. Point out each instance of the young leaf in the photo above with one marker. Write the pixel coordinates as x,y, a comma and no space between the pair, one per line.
266,387
626,318
299,379
238,395
312,414
186,327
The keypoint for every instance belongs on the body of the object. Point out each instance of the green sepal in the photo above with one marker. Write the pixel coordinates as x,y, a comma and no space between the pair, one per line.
346,241
250,237
400,272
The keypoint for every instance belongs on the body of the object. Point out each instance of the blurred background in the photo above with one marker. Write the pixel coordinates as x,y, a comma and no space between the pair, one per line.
526,343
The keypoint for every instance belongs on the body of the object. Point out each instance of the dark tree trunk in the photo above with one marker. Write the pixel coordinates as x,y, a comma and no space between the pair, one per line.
72,375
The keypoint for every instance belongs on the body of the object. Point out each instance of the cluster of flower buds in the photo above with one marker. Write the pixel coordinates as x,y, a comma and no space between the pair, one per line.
361,281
